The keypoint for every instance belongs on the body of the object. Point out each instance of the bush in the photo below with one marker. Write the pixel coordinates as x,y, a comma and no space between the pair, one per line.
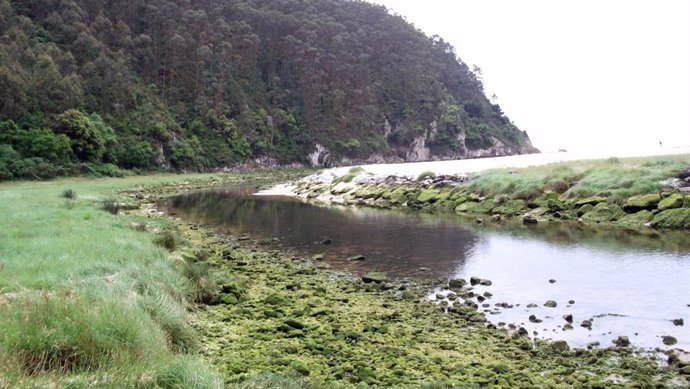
110,205
69,194
205,284
88,141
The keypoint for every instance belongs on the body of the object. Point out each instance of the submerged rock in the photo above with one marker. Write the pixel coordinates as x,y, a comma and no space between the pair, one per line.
622,341
669,340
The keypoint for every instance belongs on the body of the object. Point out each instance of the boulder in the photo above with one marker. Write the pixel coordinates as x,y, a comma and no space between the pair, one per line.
637,218
673,201
678,218
475,280
669,340
485,282
428,196
594,200
375,276
587,324
559,347
550,304
467,207
533,319
678,322
684,173
510,208
568,318
603,212
679,357
529,220
622,341
457,283
638,203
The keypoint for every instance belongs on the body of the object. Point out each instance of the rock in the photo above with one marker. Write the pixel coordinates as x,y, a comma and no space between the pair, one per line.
457,283
622,341
532,305
533,319
488,295
587,324
529,220
673,201
638,203
603,212
679,357
327,241
638,218
571,302
318,257
294,324
552,281
567,327
510,208
485,282
244,237
452,296
684,173
678,322
475,281
357,258
377,277
568,318
594,200
584,209
678,218
439,296
560,346
496,218
550,304
675,183
669,340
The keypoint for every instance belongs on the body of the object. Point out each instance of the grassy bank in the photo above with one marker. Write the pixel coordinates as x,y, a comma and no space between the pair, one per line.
627,192
91,298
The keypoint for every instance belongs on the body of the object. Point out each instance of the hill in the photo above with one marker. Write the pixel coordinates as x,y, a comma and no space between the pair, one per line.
205,84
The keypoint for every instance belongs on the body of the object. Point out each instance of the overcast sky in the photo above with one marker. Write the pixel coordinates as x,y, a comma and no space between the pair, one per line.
577,75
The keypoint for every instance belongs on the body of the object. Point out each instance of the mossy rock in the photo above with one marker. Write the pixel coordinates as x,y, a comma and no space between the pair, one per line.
275,299
603,212
299,367
673,201
584,209
376,276
594,200
637,218
398,196
428,196
678,218
486,206
510,208
467,207
638,203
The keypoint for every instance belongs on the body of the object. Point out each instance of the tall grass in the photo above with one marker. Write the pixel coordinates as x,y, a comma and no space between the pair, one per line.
615,178
85,300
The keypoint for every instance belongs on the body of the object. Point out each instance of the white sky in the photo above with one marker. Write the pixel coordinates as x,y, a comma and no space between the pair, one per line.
575,74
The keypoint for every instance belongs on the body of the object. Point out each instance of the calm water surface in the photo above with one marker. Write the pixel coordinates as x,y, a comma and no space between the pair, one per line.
630,283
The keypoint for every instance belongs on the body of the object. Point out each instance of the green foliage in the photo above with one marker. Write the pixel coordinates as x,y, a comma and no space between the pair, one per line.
167,239
88,140
69,194
110,205
186,154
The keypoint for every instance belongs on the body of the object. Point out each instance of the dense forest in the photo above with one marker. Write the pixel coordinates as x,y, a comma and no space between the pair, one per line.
100,85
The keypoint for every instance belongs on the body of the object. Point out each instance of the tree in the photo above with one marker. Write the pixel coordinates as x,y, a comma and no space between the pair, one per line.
88,140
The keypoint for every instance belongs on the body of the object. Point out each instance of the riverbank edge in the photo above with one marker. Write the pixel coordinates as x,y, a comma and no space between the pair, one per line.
667,208
239,256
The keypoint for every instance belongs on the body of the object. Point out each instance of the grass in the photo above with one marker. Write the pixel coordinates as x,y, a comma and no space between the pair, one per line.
614,178
85,298
424,175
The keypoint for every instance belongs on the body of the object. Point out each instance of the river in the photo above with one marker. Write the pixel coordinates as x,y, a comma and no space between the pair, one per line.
629,283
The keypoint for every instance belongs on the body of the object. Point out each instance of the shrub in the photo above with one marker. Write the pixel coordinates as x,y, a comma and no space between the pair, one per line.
110,205
205,284
88,142
356,170
69,194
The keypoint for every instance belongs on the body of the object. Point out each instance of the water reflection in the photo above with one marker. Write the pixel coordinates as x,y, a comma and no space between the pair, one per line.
631,282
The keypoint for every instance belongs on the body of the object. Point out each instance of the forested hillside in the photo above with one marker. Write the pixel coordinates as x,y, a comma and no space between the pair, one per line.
204,84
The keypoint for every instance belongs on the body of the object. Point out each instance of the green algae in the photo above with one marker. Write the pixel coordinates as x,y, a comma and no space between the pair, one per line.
336,331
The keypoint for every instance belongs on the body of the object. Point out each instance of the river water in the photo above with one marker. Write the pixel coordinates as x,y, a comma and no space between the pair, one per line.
631,283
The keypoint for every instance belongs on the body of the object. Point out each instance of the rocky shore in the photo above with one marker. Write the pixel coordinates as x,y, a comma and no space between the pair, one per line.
277,311
667,209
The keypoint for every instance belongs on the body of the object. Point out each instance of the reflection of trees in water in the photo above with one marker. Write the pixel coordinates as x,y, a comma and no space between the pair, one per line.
391,241
397,242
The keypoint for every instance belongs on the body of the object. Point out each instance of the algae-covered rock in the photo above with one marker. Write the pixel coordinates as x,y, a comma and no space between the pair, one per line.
485,207
673,201
428,196
637,203
603,212
637,218
678,218
467,207
584,209
559,347
299,367
510,208
594,200
377,277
